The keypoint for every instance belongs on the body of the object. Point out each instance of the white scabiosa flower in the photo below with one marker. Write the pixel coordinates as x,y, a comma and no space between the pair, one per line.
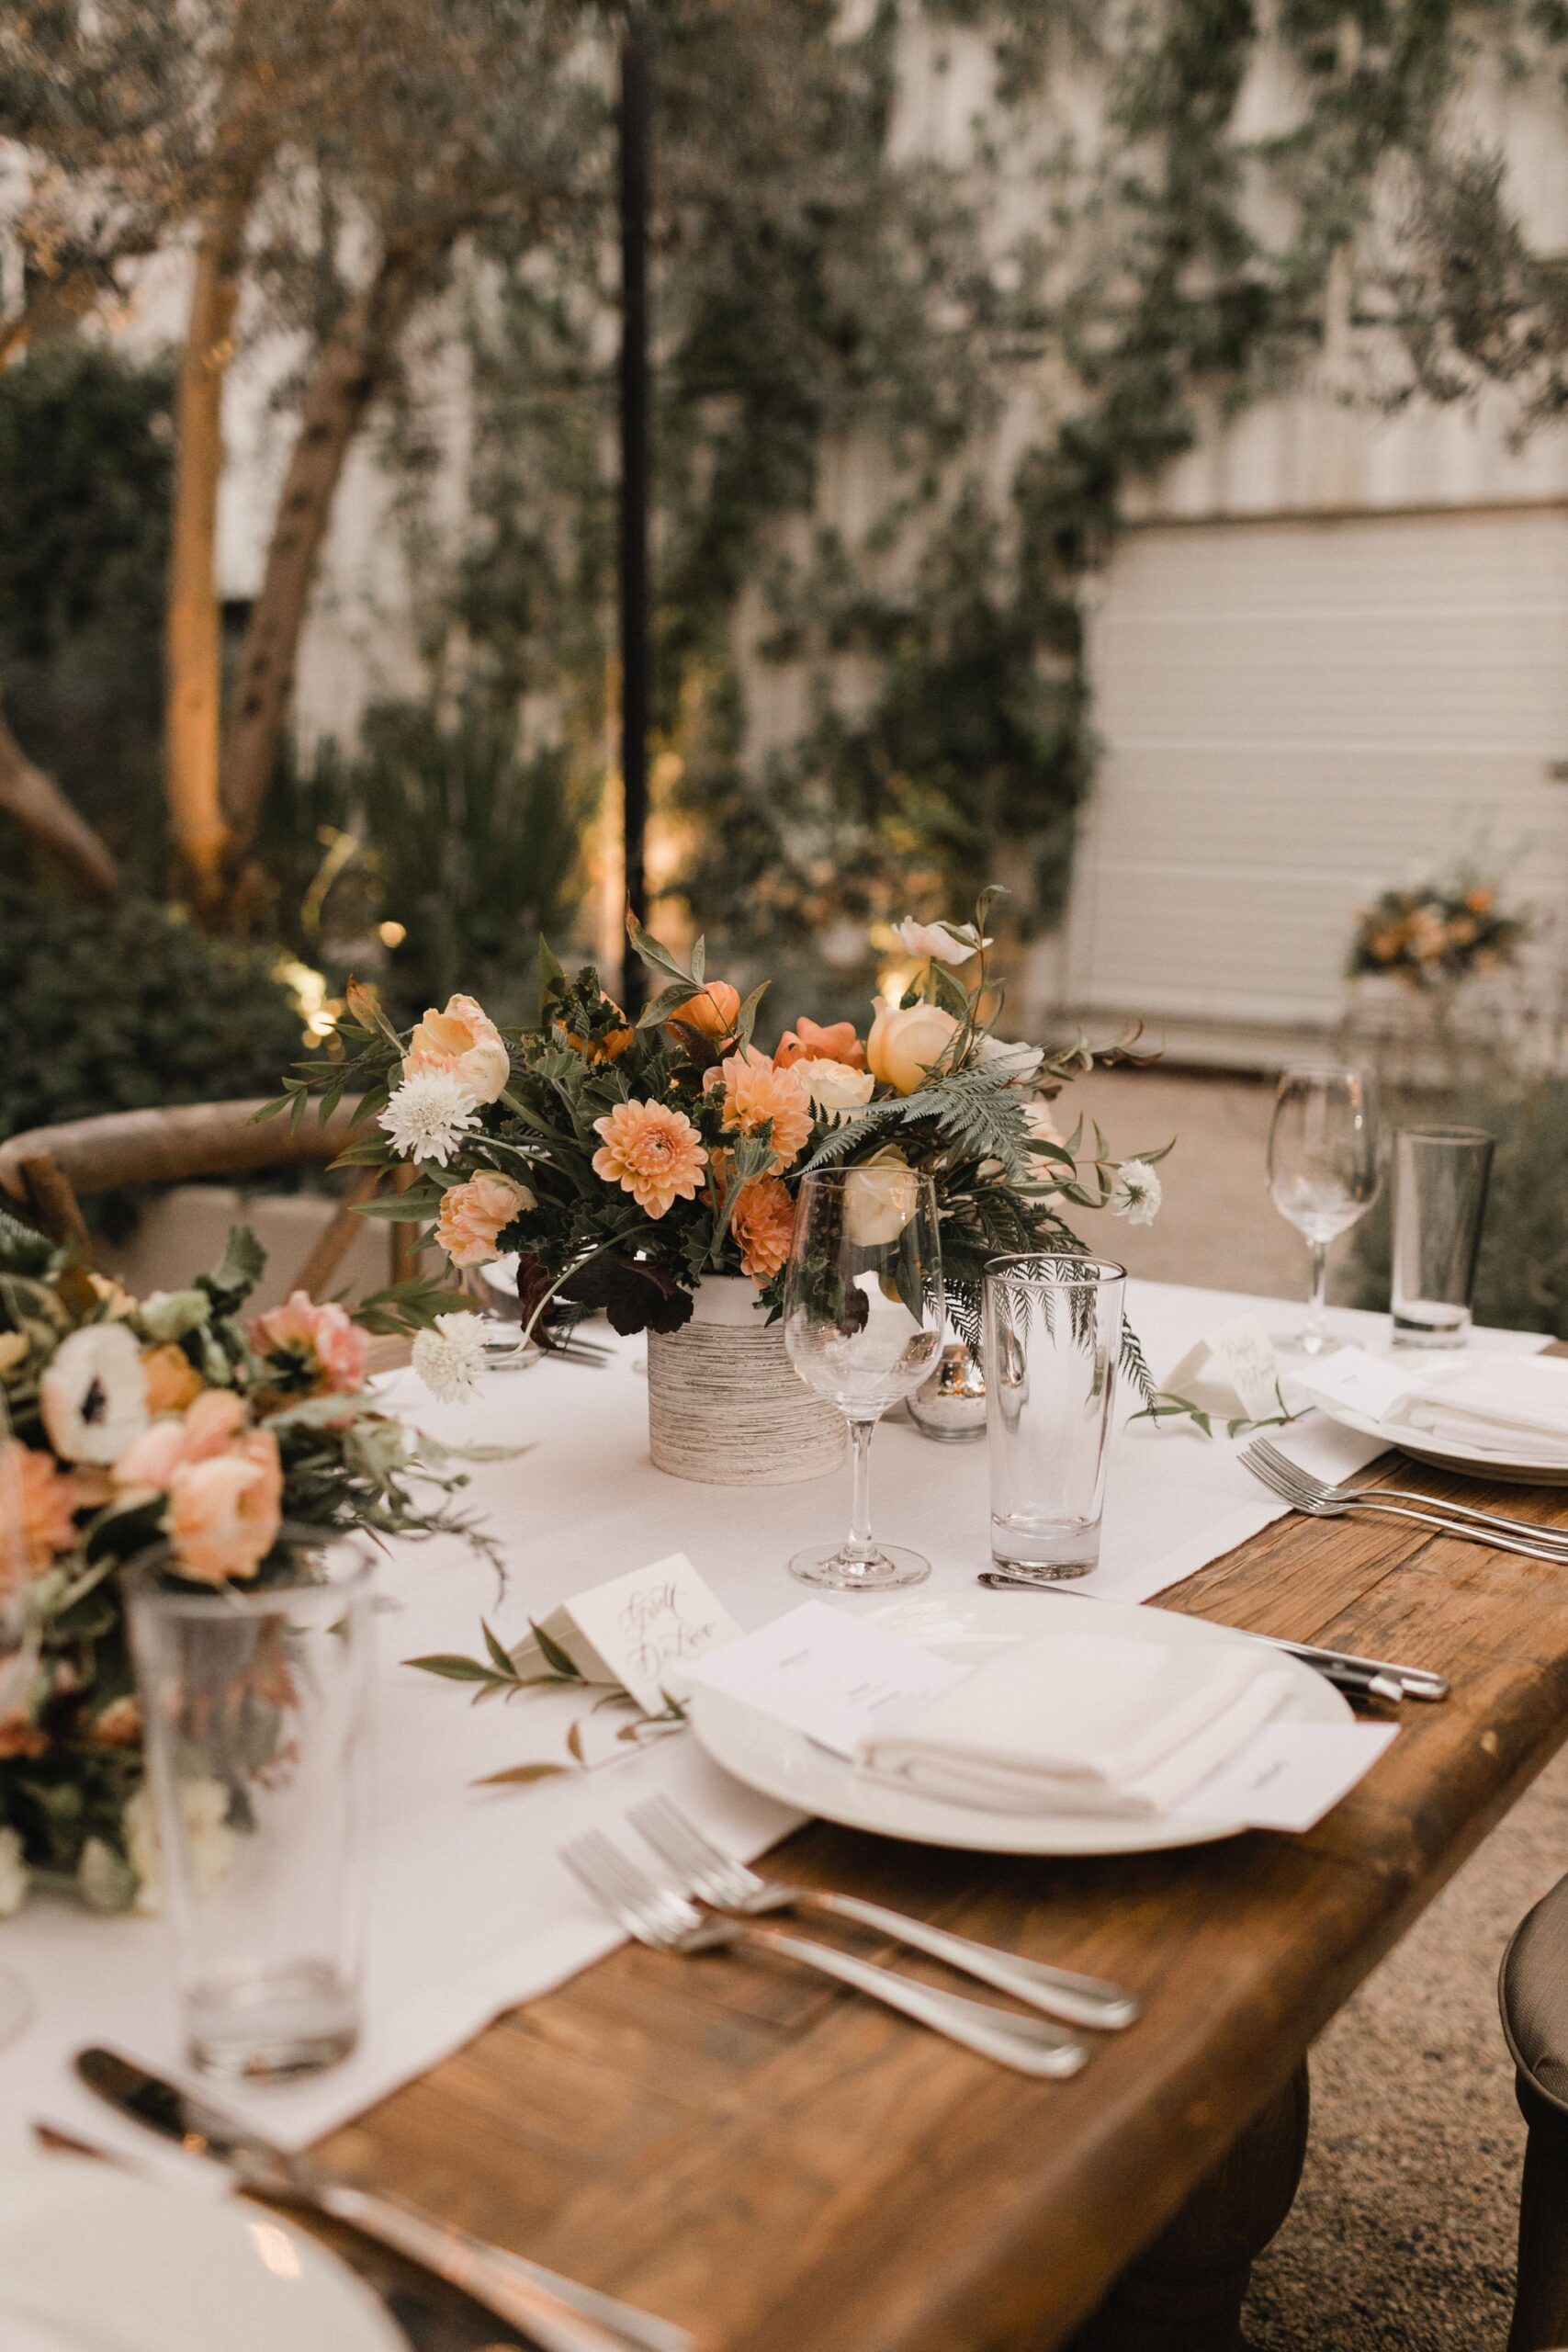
428,1115
1135,1193
92,1393
449,1358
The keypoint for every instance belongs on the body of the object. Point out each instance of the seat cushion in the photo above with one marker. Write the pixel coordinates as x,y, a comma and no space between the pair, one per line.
1533,1994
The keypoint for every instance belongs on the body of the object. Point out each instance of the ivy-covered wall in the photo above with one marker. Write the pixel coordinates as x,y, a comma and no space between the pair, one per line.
911,357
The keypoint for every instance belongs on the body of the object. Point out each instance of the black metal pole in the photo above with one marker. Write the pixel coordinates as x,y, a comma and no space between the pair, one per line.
635,157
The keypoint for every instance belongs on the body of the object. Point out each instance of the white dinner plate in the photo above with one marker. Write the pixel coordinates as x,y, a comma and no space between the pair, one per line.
94,2259
1522,1469
786,1765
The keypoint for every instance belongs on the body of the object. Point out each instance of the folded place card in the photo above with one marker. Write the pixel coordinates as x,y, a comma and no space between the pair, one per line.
1234,1362
638,1633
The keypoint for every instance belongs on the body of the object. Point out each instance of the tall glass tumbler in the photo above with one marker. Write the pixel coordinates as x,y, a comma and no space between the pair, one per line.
255,1707
1440,1176
1053,1341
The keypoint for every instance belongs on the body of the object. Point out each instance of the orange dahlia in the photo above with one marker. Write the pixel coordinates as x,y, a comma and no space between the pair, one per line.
652,1152
763,1216
755,1092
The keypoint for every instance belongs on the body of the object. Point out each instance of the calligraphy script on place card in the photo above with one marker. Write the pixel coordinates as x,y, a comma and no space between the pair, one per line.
640,1631
1239,1357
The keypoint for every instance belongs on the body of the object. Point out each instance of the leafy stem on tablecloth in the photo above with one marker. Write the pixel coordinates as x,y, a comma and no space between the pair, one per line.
1164,1404
499,1671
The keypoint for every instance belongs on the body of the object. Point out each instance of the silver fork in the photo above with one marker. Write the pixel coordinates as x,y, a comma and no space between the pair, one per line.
1526,1528
719,1879
1319,1500
659,1915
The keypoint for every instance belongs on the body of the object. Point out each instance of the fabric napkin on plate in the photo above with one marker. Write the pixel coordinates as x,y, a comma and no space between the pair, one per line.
1081,1724
1502,1405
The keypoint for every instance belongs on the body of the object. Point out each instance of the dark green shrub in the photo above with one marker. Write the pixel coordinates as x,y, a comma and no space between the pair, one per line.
1521,1283
121,1010
86,455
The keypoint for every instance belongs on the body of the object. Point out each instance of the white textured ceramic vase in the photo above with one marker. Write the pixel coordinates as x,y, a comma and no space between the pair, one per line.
725,1404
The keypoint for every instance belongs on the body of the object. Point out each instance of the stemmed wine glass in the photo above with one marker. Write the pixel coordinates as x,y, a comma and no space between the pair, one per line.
1323,1168
863,1321
18,1661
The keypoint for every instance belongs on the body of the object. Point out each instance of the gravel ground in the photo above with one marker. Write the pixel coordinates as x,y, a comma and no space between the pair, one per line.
1401,2238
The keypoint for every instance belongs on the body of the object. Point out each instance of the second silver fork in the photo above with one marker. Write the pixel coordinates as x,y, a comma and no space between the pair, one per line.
719,1879
661,1917
1319,1500
1319,1489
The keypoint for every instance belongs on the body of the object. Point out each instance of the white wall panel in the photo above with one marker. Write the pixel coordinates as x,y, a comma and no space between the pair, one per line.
1295,715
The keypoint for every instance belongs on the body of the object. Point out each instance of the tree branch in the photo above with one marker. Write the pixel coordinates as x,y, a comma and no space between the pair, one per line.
38,805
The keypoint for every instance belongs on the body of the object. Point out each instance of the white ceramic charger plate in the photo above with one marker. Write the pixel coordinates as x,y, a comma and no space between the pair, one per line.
786,1765
99,2260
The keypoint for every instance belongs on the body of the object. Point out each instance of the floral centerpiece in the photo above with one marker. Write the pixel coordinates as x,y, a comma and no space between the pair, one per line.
1436,935
648,1168
172,1436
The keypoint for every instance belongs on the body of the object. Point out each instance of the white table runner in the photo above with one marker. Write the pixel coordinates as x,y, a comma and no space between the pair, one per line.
471,1910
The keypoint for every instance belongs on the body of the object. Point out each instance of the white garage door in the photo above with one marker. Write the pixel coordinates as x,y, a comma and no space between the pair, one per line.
1294,716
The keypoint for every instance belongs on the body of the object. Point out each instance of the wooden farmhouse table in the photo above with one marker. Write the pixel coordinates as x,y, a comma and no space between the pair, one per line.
784,2168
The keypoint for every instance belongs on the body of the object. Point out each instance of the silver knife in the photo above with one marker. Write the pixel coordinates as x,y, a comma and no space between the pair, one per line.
555,2313
1375,1676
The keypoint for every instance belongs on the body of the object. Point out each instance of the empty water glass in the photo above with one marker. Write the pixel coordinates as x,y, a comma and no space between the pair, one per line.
255,1707
1053,1341
1440,1175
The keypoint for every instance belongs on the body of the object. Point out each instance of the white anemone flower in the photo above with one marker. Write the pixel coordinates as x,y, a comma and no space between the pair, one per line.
941,942
92,1393
428,1115
448,1359
1137,1194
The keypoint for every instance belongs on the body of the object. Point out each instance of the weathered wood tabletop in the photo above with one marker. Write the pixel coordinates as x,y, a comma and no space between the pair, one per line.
786,2168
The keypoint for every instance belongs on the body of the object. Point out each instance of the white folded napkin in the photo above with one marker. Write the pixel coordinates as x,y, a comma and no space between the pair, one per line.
1081,1724
1502,1405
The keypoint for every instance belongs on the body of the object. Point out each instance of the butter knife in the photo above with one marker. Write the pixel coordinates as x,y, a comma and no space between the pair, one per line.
555,2313
1377,1677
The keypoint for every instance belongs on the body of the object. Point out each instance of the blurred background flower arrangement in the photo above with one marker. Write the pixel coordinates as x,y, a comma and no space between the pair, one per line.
169,1437
1438,934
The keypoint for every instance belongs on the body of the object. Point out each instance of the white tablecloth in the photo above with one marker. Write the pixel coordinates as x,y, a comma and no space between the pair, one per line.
471,1911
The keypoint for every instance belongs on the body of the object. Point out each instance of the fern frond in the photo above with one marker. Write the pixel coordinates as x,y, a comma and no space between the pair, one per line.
985,1117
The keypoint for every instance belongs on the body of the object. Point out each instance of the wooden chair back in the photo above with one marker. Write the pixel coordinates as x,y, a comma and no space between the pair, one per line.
46,1172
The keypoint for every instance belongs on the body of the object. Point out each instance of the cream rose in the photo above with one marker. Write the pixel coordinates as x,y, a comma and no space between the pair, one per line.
473,1215
880,1197
465,1040
906,1040
835,1089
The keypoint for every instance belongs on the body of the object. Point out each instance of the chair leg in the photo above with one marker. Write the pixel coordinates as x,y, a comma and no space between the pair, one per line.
55,1204
1541,2295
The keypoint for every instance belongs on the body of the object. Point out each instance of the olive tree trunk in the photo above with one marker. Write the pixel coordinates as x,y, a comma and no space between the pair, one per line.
351,365
193,629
